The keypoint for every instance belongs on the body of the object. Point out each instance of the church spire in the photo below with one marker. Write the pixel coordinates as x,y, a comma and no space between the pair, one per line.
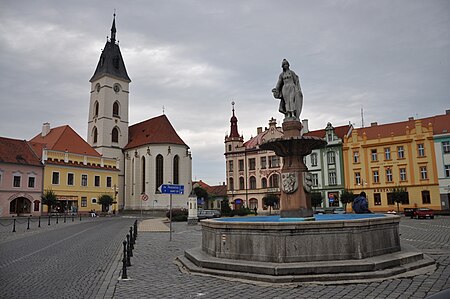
233,127
113,29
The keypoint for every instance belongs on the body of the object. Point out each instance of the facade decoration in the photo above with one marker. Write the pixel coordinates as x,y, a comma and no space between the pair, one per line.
289,182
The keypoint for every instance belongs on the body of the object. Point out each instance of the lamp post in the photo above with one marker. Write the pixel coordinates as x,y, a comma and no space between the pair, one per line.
154,201
116,191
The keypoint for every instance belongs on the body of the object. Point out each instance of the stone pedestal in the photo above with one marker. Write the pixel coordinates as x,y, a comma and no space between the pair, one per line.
295,201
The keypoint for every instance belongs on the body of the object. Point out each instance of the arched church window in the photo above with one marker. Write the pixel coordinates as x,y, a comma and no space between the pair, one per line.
143,174
95,134
95,109
115,135
116,109
274,181
176,169
159,171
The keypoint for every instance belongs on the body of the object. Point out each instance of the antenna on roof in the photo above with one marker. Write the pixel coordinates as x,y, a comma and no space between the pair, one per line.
163,110
362,117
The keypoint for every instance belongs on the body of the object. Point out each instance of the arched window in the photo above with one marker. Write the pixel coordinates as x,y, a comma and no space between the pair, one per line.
241,183
274,181
263,183
37,204
115,135
159,171
95,134
253,203
252,182
176,169
143,173
132,176
116,109
95,109
230,184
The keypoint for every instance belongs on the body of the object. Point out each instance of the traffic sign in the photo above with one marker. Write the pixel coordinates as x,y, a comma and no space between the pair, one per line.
144,197
172,189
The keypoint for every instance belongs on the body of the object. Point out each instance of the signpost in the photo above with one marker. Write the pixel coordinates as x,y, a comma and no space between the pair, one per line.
171,189
144,197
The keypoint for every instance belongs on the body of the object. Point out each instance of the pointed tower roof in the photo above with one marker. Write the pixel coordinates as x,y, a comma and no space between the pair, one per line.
233,127
111,62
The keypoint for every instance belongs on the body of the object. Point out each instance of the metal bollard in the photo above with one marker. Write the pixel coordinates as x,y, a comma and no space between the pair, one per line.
131,240
128,251
72,217
80,217
124,261
28,225
135,229
14,225
64,218
39,223
57,219
49,219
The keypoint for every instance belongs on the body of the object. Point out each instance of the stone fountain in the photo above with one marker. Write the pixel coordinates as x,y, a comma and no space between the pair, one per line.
290,247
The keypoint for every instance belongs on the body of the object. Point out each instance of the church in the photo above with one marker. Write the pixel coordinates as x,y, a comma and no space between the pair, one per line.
149,153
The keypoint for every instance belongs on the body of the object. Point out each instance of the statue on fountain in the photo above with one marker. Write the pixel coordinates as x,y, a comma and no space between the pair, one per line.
289,92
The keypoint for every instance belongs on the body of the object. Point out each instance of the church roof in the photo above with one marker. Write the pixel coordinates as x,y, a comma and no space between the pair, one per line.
62,138
17,152
111,62
157,130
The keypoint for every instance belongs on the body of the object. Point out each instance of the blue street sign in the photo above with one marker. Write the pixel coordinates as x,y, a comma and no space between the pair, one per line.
172,189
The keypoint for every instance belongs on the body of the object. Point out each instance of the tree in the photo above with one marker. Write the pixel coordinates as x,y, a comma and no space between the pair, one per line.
346,198
399,195
316,199
202,193
271,200
49,199
225,208
105,200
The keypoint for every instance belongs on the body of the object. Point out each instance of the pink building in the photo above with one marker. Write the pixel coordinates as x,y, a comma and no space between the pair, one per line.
21,174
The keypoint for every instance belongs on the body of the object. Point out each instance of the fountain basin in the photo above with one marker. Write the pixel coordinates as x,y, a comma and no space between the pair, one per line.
284,240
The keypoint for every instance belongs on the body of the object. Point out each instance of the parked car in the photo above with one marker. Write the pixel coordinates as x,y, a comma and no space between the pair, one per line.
319,211
207,214
338,211
409,212
391,212
423,213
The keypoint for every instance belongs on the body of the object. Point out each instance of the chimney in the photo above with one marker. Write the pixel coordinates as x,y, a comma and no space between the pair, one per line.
258,130
447,111
411,118
45,129
305,128
374,124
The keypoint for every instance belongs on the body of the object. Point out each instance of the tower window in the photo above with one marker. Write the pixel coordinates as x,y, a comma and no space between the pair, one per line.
115,135
116,109
95,109
95,133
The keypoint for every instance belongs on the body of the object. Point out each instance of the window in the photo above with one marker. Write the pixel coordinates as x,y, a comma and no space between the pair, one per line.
84,202
426,199
274,161
357,178
93,200
241,183
387,153
116,109
159,171
264,183
109,182
447,171
55,178
252,164
274,181
263,162
446,147
390,199
16,181
401,152
95,134
423,172
176,169
84,180
97,181
95,109
70,181
143,174
115,135
241,165
374,155
420,150
376,176
231,184
329,137
230,165
355,157
332,178
31,181
37,203
314,179
252,182
402,174
314,159
388,175
331,158
253,203
229,147
377,199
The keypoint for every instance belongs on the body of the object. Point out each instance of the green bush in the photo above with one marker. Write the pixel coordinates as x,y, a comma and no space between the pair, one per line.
178,214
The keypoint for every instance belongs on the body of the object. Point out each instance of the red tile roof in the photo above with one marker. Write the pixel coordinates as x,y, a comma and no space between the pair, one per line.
440,123
218,190
63,138
340,131
17,152
157,130
258,139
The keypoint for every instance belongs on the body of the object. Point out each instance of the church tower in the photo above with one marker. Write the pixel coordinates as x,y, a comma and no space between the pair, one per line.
108,107
234,140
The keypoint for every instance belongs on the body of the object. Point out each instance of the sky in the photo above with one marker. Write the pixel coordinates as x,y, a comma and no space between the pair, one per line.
387,58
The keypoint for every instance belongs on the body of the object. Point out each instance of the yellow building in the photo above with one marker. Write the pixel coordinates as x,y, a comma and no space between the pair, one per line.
380,158
77,173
